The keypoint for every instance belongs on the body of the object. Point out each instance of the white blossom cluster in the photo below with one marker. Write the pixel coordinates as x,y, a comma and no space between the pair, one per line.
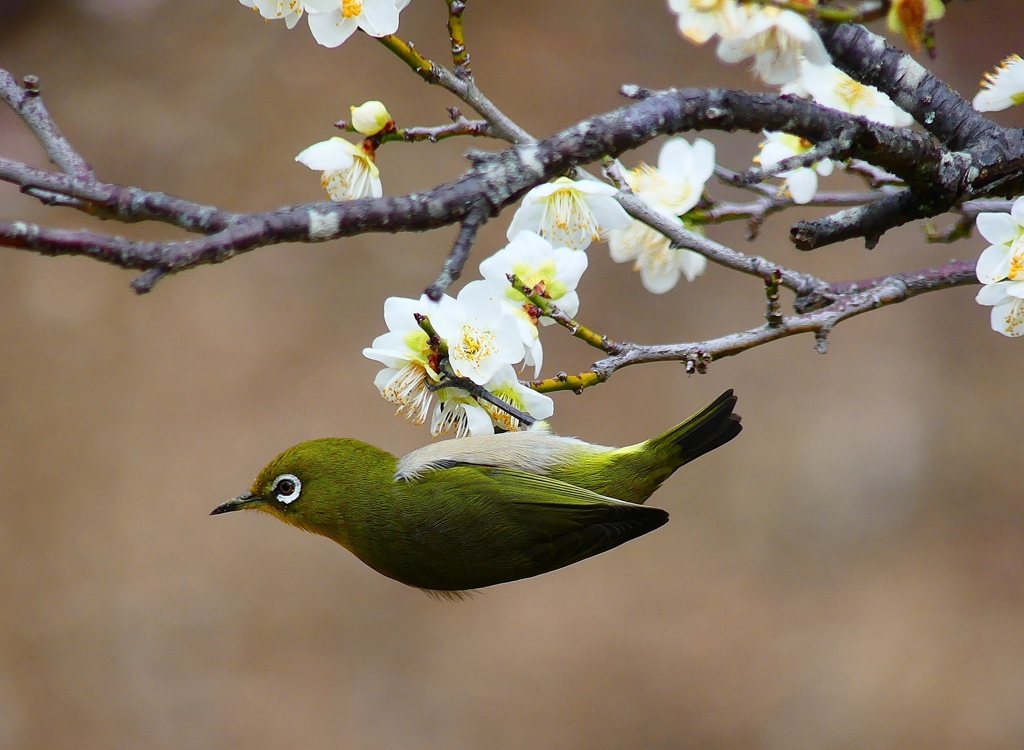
1001,268
491,326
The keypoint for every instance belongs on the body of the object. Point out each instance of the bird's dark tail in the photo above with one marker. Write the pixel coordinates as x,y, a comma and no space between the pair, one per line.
711,427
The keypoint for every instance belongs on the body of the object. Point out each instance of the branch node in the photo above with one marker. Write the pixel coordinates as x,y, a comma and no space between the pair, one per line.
145,281
31,84
460,251
821,340
773,312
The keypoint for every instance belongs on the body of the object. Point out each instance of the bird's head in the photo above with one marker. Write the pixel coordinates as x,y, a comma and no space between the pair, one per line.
308,485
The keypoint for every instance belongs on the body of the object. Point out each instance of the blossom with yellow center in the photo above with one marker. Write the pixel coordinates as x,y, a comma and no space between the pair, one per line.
506,386
800,183
831,87
459,413
777,40
554,272
908,17
1002,88
569,213
678,182
660,265
1007,301
410,363
481,336
289,10
348,171
1004,258
334,21
699,20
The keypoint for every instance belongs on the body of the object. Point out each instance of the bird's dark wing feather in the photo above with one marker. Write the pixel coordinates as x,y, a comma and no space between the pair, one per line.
569,523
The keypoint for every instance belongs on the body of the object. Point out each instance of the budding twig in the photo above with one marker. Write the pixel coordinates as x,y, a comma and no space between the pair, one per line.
547,309
460,55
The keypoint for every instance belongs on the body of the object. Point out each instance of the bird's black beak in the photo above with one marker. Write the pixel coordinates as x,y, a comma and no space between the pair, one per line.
236,503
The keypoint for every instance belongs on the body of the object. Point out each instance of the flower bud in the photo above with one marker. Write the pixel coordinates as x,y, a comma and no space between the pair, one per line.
370,118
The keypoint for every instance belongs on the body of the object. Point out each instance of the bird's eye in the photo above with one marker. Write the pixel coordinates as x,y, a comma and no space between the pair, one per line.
287,488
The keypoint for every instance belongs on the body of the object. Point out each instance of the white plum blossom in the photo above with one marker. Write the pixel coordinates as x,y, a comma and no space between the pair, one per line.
289,10
506,386
369,118
831,87
678,182
459,413
1002,88
801,183
699,20
1007,300
348,171
1004,258
410,364
553,272
777,39
569,213
334,21
659,264
481,336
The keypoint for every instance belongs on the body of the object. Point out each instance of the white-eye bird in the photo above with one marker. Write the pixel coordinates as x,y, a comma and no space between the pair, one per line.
463,514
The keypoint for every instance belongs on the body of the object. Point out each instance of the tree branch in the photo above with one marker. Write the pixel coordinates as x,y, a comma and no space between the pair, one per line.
27,103
453,266
852,299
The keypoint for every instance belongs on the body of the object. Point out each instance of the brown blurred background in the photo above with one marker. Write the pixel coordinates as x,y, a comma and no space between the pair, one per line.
848,573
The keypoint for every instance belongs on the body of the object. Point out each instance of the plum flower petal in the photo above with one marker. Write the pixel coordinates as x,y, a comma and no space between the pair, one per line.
678,182
481,336
660,265
1007,301
1002,88
569,213
459,413
699,20
409,367
800,183
289,10
506,386
348,171
1004,258
554,272
777,40
334,21
831,87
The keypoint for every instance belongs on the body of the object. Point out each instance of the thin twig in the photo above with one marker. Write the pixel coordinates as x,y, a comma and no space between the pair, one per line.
435,133
456,33
482,394
544,307
27,103
453,266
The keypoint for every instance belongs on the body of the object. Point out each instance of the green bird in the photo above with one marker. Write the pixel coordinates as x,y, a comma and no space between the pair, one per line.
463,514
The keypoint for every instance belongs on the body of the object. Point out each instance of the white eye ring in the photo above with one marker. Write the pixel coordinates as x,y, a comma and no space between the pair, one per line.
289,496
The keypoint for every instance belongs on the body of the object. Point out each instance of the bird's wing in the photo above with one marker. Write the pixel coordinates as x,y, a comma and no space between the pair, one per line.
533,451
541,523
570,523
